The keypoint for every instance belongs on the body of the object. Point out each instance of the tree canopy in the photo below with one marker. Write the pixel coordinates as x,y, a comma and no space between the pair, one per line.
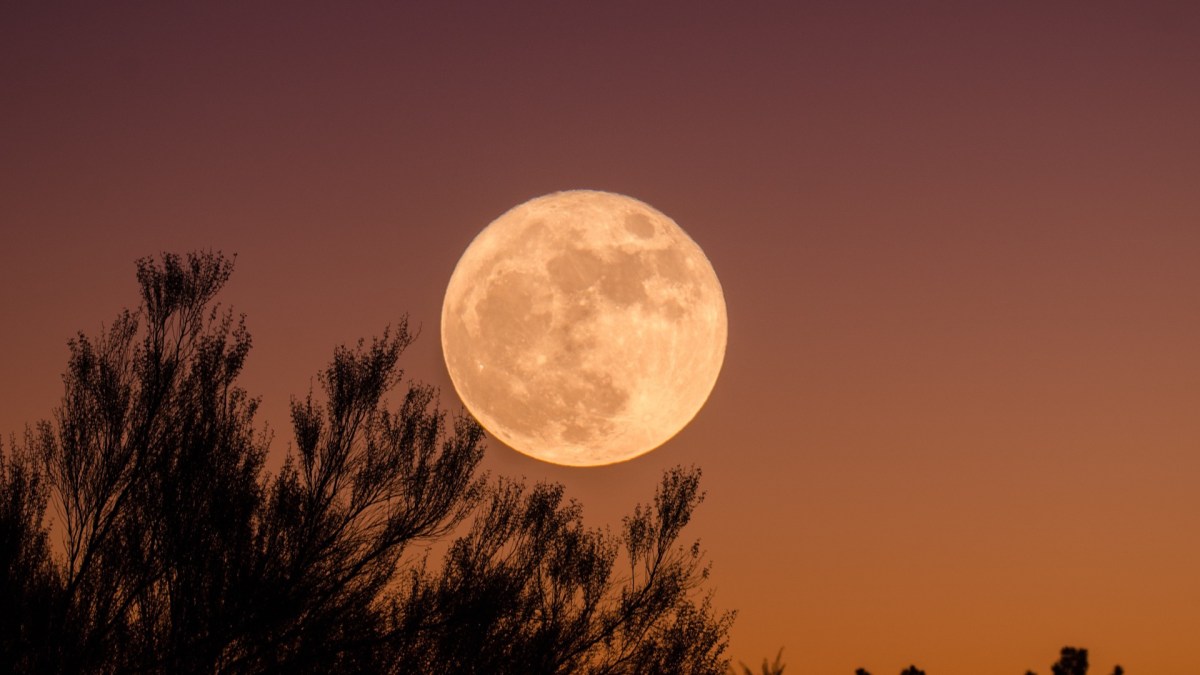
174,550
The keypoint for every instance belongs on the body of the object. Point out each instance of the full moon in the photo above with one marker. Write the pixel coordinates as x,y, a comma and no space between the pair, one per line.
583,328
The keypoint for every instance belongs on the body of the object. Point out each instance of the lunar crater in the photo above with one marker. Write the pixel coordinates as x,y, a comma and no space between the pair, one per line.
639,225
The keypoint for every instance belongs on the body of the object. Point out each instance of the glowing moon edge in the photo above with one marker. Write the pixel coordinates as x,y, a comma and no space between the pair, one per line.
584,328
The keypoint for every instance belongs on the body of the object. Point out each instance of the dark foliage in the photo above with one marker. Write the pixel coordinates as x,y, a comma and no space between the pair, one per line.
180,554
1074,661
529,590
28,581
1071,661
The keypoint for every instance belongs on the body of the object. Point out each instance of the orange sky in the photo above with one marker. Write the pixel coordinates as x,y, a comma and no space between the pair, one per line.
960,243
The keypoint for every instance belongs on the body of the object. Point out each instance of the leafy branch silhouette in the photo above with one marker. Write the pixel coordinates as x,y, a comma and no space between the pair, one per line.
179,553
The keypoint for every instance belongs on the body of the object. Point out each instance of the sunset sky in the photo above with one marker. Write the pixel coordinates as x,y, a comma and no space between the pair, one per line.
958,423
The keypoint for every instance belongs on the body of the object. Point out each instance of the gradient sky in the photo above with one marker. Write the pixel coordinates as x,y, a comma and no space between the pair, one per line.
959,418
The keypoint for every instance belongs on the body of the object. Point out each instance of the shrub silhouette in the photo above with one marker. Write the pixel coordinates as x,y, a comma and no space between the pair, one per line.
181,554
1072,661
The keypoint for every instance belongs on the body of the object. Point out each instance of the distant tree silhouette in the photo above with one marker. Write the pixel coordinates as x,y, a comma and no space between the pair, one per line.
180,554
1074,661
1071,661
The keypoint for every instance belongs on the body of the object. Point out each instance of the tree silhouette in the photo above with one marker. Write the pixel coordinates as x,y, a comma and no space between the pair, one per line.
27,580
1074,661
530,590
180,554
1071,661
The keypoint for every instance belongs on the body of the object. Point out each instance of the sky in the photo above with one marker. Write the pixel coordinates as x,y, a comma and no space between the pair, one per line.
957,423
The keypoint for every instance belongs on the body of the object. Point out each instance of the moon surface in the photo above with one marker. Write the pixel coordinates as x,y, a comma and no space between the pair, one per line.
584,328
